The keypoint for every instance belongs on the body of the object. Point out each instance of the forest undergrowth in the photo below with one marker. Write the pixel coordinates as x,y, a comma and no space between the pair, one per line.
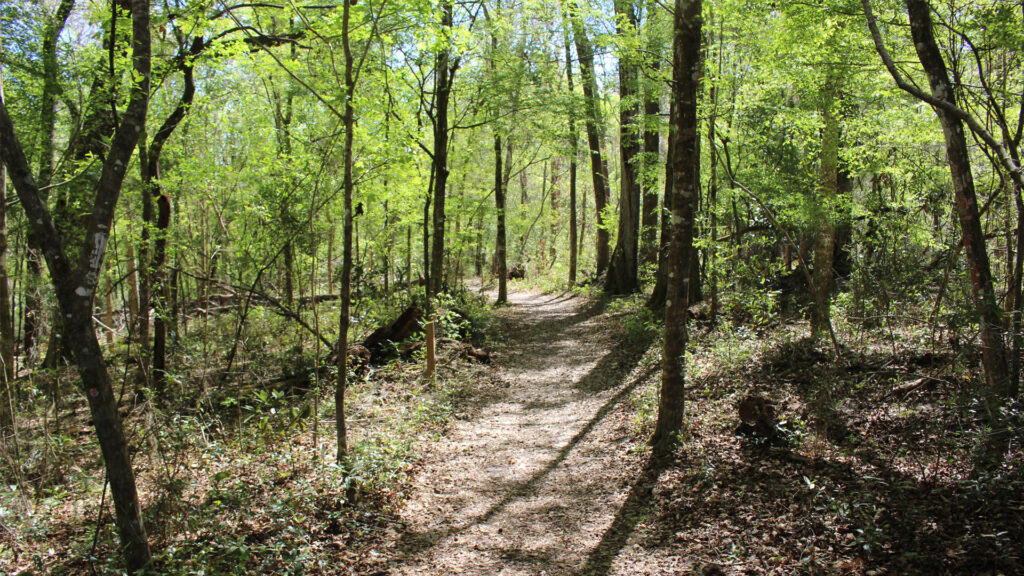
871,471
241,478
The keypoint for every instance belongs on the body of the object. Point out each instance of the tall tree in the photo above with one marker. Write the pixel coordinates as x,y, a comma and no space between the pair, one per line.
48,122
444,75
573,155
952,120
500,239
684,173
75,281
6,318
828,191
622,272
595,131
344,313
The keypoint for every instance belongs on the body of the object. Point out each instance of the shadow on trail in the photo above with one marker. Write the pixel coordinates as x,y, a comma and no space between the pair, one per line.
638,505
610,371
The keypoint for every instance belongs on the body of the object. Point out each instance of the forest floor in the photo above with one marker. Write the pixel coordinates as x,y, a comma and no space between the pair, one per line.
537,465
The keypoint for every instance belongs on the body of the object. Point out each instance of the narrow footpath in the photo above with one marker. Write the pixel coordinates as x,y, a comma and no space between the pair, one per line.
537,482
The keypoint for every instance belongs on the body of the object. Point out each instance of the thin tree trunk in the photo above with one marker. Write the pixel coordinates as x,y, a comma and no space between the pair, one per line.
994,360
346,266
828,187
649,177
555,216
426,226
6,317
158,272
1018,275
660,291
712,250
445,73
48,121
330,257
989,313
573,155
501,243
595,133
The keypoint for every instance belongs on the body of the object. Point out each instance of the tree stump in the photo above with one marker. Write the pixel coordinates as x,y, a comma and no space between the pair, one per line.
757,417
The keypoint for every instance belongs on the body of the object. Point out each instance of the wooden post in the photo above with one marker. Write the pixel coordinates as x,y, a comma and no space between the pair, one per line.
431,356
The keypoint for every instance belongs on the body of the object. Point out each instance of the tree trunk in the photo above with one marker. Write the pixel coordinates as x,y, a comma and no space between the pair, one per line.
712,250
828,187
48,121
573,155
289,273
444,74
652,158
684,173
6,317
660,292
622,272
426,224
346,266
157,267
500,243
595,132
555,216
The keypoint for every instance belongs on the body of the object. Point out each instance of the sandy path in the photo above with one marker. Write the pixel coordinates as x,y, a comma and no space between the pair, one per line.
532,482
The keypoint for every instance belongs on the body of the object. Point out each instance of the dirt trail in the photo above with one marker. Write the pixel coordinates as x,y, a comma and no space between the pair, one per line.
532,483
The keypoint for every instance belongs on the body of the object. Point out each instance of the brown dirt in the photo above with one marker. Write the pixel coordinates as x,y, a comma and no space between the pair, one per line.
533,482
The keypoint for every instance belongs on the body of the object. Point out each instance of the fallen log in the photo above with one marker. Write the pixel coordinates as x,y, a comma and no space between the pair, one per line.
516,272
379,342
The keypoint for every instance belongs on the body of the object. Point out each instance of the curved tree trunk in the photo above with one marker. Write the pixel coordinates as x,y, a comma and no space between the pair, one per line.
48,121
994,357
75,282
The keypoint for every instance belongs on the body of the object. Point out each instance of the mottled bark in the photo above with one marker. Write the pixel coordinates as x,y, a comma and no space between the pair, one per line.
828,188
